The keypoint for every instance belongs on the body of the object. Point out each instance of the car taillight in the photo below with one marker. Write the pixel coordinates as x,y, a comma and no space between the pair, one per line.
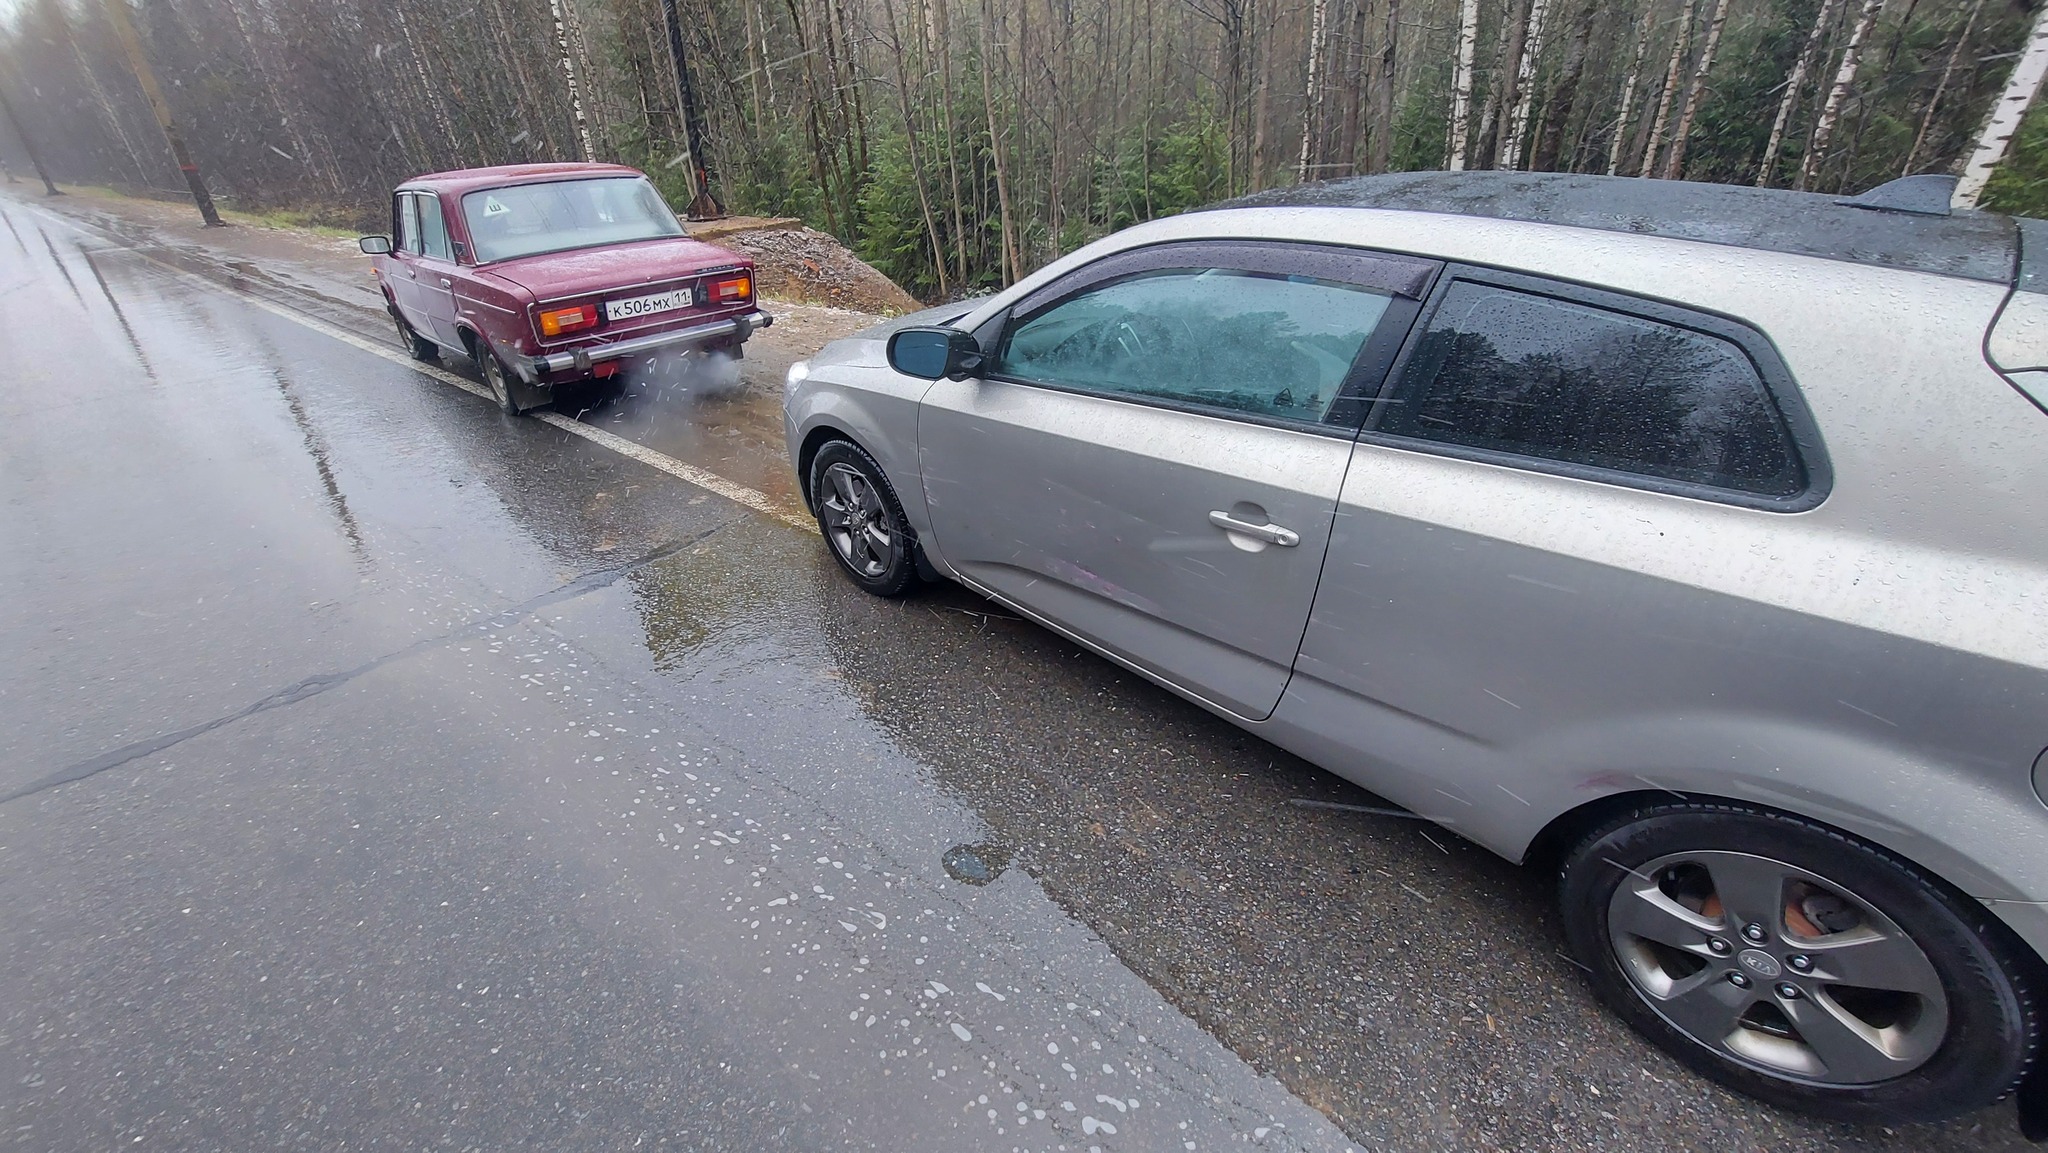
557,321
731,289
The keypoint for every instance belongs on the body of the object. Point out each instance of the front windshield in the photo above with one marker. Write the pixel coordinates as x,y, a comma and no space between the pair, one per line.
528,218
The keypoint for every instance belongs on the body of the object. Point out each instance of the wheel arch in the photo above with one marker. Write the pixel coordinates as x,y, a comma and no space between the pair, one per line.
1548,850
807,451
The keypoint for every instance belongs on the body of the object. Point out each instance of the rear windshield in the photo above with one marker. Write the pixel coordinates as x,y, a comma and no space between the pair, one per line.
529,218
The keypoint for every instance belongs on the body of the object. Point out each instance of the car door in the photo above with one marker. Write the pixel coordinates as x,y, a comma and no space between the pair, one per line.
1513,580
437,271
1152,459
406,251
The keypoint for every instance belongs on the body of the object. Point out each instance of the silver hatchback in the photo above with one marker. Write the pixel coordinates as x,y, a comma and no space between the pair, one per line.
1689,540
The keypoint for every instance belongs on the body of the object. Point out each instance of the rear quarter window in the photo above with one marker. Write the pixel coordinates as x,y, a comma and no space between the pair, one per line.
1519,373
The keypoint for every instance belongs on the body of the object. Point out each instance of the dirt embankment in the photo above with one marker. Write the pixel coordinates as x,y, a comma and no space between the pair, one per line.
798,263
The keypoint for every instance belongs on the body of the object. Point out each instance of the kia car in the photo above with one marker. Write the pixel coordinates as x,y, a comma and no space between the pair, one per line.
1688,540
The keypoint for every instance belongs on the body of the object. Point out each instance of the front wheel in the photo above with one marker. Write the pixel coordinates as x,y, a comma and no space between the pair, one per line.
862,521
1799,965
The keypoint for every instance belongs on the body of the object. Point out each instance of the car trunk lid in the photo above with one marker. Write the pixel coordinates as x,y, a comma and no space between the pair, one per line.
613,269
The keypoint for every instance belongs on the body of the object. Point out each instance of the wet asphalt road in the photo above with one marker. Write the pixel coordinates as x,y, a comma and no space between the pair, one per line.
381,772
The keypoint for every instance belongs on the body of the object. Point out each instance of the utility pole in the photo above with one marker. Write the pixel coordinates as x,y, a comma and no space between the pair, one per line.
117,14
703,206
21,134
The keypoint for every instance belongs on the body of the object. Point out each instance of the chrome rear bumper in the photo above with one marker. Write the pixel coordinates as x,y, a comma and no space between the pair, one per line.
532,368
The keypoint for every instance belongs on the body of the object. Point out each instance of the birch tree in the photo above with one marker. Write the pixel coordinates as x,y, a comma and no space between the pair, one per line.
1629,81
1674,166
1461,82
2006,114
1312,104
1679,42
1948,70
1525,85
1831,112
1500,89
1793,85
569,75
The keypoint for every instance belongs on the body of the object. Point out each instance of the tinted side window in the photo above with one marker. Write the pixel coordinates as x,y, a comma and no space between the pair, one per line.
1521,373
433,230
408,222
1221,338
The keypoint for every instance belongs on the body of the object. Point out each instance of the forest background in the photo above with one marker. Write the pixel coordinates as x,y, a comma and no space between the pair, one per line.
958,144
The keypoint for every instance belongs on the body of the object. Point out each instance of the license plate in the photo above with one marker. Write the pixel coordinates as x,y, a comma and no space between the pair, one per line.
635,306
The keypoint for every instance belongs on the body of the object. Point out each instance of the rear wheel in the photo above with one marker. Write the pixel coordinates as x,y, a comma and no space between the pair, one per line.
1799,965
862,521
497,378
419,346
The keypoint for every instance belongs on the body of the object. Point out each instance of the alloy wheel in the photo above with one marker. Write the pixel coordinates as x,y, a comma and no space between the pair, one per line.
1777,968
857,521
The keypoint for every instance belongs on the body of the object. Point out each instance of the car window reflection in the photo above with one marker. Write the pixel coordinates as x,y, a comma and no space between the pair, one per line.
1247,342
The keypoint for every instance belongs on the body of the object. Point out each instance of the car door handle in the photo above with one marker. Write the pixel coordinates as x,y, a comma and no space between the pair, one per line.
445,282
1270,533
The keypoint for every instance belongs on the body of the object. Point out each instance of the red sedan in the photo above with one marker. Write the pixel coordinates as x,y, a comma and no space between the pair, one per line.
549,274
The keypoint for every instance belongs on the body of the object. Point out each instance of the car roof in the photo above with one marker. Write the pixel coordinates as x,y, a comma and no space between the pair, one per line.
472,179
1971,244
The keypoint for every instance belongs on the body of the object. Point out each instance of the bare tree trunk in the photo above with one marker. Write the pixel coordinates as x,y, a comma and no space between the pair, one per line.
2006,114
917,168
435,104
1674,167
757,56
1557,111
1353,120
1941,87
1845,76
1793,84
1525,85
1500,95
995,147
1628,93
569,74
1679,42
35,159
942,35
1312,103
131,44
1381,156
515,62
1461,82
703,206
1262,105
302,152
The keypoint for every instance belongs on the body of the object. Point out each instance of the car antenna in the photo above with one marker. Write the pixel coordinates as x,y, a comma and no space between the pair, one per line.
1927,194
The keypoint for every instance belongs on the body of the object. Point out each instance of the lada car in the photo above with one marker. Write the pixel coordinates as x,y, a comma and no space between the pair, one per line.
550,274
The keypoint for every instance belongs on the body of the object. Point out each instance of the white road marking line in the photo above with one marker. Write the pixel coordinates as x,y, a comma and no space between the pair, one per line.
737,493
688,473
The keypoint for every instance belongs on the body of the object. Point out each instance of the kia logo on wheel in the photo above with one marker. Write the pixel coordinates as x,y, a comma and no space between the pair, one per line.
1759,962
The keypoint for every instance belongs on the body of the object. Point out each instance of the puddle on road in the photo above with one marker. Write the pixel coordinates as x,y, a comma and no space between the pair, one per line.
975,864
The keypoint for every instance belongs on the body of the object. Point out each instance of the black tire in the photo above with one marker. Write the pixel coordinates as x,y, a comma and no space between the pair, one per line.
861,520
1965,1041
419,347
496,376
